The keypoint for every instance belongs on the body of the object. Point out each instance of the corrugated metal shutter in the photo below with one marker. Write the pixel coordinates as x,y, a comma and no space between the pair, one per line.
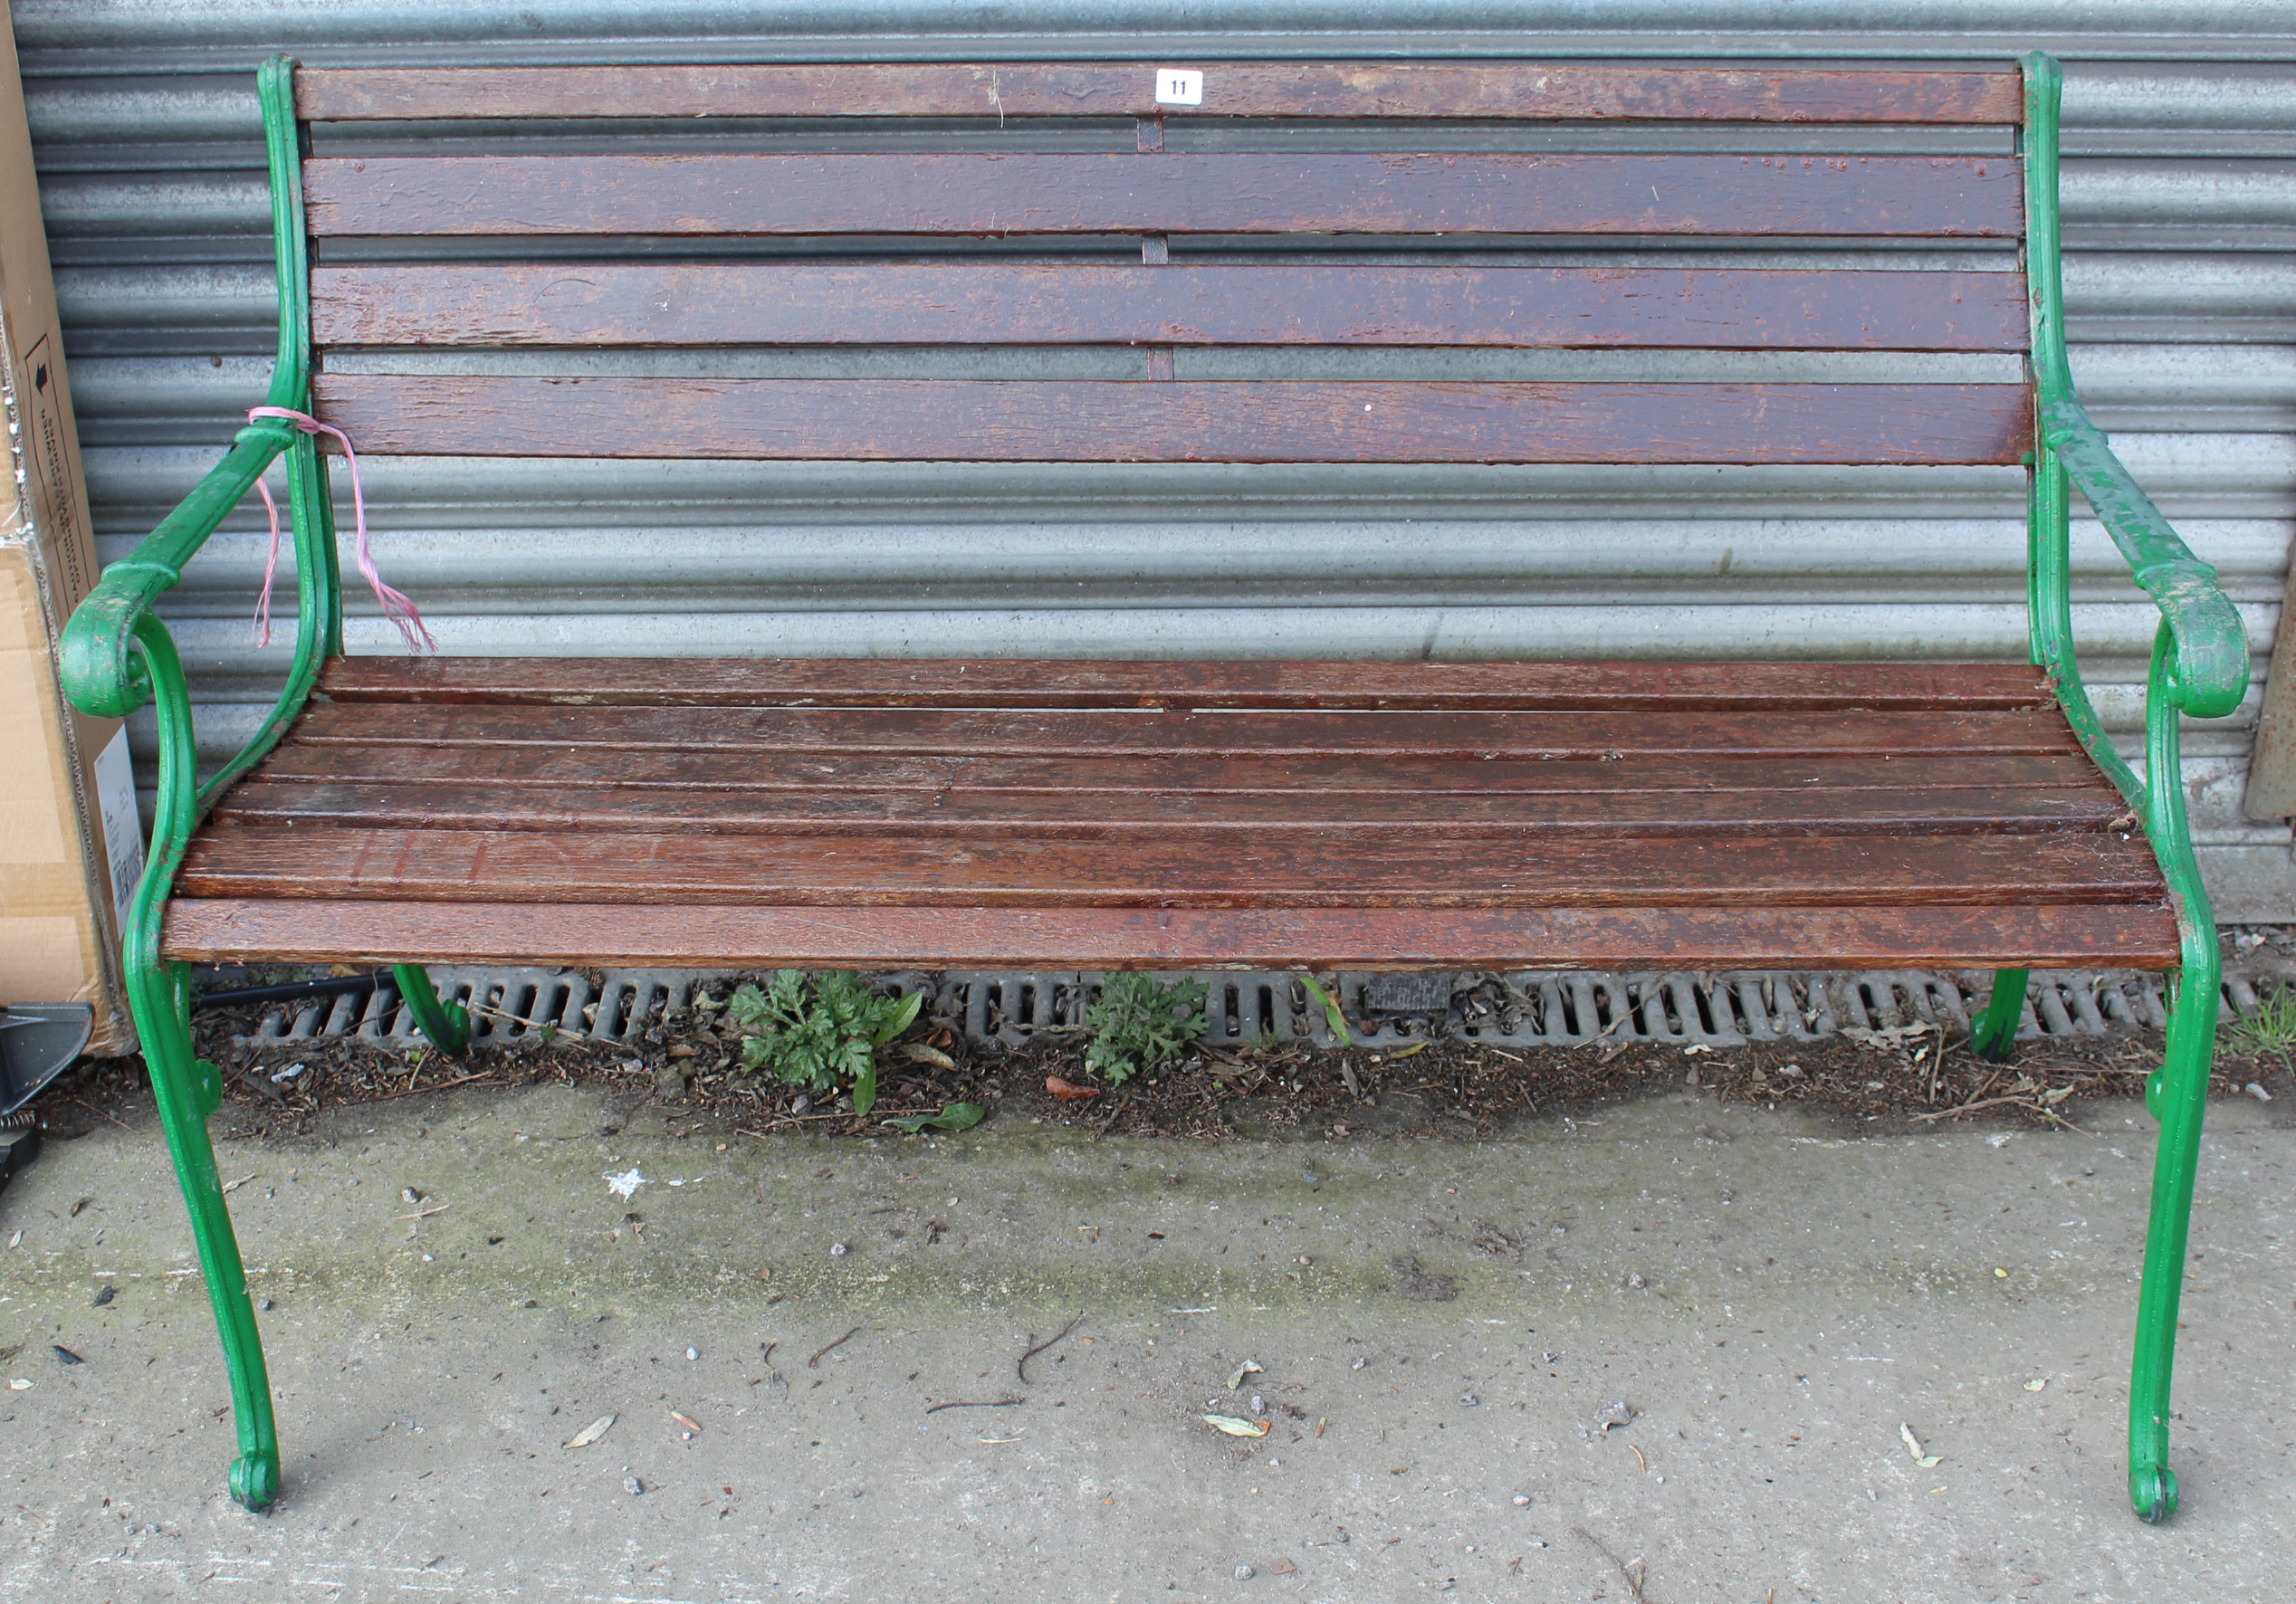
2180,206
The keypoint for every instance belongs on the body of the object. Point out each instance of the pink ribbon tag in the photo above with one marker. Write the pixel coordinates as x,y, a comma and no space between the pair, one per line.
397,606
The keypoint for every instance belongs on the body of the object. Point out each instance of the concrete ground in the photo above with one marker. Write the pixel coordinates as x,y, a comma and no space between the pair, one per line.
1777,1305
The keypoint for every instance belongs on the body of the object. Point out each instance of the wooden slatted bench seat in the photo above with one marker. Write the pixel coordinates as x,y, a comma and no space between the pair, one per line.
1113,814
652,300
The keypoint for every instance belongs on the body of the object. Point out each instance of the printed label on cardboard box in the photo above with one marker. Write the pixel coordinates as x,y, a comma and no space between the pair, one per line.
123,827
47,454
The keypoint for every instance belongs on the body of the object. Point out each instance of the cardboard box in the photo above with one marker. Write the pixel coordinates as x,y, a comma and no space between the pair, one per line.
71,844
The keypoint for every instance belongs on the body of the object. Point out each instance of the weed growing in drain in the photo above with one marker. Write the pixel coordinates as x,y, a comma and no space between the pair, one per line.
822,1034
1138,1022
2271,1028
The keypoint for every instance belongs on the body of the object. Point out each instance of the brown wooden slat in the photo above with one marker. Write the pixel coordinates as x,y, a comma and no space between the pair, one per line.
787,733
1898,197
414,767
908,303
1016,89
709,937
1426,817
990,682
968,420
1280,868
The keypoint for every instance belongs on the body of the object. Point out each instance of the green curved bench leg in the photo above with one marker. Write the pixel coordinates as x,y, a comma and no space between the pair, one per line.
2177,1095
189,1089
1994,1035
446,1026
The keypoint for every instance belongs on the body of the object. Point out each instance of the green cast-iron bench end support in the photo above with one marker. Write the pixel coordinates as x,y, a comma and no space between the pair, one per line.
2200,668
119,657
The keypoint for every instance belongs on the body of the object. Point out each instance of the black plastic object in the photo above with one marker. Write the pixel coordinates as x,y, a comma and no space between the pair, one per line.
294,991
19,1145
37,1041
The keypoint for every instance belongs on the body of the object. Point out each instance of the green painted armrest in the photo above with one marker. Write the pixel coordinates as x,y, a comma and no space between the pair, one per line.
99,674
2212,644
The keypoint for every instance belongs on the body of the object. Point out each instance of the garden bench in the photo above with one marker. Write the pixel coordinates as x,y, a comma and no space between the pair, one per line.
641,298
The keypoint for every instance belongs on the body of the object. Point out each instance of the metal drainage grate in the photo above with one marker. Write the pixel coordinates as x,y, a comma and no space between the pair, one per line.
1526,1009
1546,1008
506,1005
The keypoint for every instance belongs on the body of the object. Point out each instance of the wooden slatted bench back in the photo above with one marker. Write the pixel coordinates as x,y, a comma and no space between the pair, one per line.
496,288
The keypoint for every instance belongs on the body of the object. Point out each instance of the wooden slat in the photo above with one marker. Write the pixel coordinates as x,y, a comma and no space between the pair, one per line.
417,767
1898,197
992,682
968,420
786,733
906,303
1017,89
708,936
1425,817
1279,868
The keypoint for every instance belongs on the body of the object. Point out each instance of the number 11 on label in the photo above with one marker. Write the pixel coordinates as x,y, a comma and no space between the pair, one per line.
1179,86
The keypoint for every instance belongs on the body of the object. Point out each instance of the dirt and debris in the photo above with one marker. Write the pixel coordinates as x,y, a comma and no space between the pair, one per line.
1440,1085
1021,1366
590,1433
1416,1284
1630,1571
984,1403
1236,1425
814,1363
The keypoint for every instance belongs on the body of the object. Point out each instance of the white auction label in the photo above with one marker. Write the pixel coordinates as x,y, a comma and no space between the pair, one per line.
1179,86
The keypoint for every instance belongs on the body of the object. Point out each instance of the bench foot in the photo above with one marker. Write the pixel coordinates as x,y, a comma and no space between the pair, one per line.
2177,1097
189,1090
447,1026
255,1479
2152,1489
1995,1035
